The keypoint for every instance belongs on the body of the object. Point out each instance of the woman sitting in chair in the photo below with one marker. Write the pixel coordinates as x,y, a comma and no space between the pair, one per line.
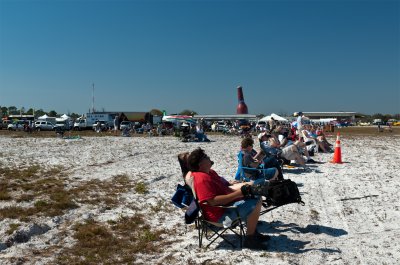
211,190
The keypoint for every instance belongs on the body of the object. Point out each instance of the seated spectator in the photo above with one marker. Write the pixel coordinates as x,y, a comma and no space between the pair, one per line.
270,146
252,159
321,137
283,137
211,191
200,135
308,135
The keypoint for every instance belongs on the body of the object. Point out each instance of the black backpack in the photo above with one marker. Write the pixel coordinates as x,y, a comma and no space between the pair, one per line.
281,192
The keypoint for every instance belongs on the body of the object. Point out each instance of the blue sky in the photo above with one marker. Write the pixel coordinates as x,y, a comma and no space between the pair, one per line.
175,55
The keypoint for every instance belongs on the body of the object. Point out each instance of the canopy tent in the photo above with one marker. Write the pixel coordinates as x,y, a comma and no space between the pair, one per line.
43,117
63,117
275,116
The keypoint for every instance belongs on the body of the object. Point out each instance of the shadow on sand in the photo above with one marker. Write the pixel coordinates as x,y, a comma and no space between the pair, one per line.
282,243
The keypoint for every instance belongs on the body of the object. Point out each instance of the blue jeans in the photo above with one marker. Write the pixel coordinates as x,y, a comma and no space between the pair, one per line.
244,208
201,136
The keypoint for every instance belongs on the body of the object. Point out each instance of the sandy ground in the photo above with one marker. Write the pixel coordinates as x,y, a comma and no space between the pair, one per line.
351,215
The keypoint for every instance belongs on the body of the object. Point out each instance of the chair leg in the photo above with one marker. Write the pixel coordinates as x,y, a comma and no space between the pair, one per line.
201,231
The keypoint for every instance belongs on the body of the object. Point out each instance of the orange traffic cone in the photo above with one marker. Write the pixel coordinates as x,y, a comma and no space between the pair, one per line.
337,156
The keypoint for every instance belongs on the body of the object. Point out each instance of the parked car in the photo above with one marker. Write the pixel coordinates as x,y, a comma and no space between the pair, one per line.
125,125
397,123
16,126
44,126
4,124
261,126
61,125
220,127
103,125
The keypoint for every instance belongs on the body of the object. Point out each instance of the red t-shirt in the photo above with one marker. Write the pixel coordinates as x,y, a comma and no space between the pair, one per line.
207,186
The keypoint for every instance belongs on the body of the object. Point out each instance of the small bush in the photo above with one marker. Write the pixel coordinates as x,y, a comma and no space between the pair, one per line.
141,188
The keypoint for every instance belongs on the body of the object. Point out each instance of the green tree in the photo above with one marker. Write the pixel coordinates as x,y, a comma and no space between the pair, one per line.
73,115
12,110
39,113
156,112
4,111
30,111
52,113
188,112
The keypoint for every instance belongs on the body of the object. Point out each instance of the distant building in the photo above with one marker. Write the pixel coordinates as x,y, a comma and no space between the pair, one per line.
221,117
339,115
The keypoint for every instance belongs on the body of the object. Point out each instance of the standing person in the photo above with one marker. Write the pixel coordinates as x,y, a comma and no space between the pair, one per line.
299,122
116,124
212,190
272,124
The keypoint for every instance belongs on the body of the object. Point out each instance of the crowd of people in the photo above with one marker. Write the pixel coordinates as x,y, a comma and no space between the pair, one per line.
277,146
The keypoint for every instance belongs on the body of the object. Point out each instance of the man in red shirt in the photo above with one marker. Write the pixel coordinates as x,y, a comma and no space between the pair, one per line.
213,190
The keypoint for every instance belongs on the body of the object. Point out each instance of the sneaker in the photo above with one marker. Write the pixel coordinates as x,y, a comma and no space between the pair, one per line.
252,242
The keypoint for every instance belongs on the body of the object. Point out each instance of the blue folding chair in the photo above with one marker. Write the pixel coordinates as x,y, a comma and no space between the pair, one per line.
241,176
241,171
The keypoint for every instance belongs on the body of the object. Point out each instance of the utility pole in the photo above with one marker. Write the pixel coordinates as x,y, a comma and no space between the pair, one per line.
93,98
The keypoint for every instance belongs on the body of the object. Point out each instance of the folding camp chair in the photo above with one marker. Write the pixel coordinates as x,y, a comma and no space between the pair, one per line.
241,176
214,230
207,229
242,170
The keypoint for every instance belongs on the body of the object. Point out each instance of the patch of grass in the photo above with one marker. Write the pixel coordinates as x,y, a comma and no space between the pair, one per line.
117,242
12,228
4,195
161,206
45,187
141,188
314,215
102,192
14,212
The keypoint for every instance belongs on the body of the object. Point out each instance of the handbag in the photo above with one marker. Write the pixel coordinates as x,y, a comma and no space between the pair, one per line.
281,192
182,197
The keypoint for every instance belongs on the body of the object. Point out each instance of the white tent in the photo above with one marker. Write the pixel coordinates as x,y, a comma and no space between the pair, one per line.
44,117
65,117
275,116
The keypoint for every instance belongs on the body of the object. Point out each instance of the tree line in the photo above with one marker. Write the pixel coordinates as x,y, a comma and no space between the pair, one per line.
12,110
